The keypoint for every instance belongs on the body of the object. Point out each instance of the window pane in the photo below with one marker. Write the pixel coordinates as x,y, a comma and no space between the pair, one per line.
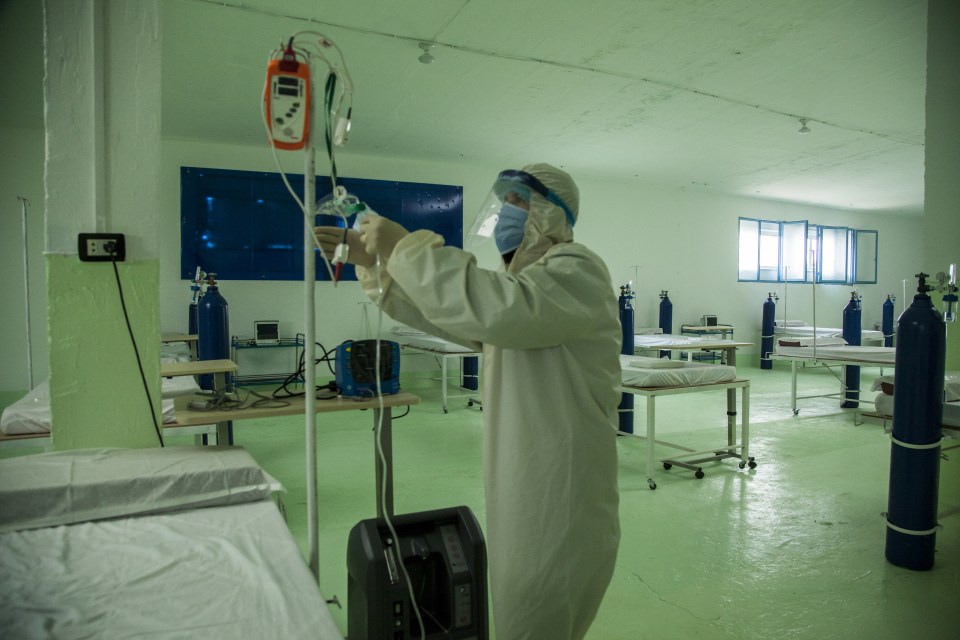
866,259
749,246
769,250
833,254
794,249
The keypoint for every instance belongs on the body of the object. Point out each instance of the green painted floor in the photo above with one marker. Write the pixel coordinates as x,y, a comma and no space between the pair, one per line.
793,549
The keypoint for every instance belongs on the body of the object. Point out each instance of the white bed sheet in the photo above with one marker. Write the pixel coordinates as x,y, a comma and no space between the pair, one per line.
31,413
170,543
637,371
879,356
220,572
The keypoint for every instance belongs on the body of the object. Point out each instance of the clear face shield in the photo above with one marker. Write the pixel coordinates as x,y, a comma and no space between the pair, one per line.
503,213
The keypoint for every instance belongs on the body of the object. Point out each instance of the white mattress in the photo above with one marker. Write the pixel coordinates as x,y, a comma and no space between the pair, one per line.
951,410
229,570
865,355
31,413
637,371
827,332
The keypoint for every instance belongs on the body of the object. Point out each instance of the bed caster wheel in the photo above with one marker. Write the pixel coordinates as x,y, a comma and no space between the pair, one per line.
743,464
469,403
667,466
652,484
796,412
753,465
698,474
445,410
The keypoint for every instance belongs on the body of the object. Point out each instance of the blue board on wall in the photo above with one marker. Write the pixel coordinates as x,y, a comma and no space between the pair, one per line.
245,225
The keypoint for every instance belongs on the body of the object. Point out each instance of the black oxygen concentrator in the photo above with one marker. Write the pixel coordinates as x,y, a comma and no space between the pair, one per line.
445,556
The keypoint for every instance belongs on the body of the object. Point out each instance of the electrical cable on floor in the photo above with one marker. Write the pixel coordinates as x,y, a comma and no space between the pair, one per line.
136,351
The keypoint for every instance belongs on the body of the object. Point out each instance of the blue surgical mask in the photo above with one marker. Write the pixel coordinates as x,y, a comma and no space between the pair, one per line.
508,233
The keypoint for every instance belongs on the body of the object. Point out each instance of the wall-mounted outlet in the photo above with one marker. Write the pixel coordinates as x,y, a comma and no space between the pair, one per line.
101,247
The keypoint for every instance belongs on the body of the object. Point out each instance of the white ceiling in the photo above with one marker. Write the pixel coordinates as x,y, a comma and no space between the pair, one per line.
701,95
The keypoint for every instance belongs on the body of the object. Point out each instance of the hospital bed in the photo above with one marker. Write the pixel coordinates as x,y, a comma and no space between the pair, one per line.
802,329
883,402
828,352
27,421
444,351
178,542
653,377
689,344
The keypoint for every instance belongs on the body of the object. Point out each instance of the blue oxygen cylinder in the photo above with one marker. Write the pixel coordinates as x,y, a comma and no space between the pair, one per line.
886,324
470,373
213,329
917,429
666,318
851,333
627,325
192,319
767,332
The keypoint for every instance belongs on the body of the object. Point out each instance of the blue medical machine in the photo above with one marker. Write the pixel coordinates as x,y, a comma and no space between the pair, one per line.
356,368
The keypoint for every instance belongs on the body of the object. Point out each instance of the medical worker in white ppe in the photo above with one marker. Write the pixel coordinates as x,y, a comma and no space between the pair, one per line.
549,328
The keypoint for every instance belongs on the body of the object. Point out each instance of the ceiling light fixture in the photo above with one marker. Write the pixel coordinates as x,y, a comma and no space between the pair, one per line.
426,57
803,126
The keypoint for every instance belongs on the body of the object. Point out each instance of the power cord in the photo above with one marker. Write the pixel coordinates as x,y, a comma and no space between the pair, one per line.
111,248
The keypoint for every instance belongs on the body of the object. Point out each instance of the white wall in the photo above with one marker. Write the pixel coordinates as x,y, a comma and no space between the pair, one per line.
687,243
683,242
21,174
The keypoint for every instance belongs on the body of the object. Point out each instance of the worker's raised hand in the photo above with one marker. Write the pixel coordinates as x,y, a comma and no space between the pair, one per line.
380,235
330,237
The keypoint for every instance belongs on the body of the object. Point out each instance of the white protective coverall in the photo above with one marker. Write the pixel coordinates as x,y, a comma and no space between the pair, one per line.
550,332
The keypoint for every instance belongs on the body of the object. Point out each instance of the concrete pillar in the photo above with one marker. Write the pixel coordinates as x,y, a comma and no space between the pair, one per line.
942,189
102,122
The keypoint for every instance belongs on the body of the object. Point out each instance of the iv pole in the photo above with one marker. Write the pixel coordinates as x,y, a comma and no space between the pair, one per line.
26,291
309,347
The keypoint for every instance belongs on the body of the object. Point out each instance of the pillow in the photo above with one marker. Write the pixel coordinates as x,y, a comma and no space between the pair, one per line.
67,487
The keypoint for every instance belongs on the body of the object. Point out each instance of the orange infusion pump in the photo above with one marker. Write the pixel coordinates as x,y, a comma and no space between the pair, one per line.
287,97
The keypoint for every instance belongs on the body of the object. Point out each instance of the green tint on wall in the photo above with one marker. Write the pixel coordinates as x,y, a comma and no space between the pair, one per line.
97,396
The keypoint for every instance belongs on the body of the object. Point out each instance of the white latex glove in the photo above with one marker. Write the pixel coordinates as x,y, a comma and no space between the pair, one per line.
380,235
330,237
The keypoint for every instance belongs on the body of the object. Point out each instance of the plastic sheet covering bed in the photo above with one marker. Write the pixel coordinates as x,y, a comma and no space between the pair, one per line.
225,571
31,413
951,385
640,371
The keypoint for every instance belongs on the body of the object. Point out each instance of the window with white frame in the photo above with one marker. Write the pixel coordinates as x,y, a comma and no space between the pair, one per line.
772,251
